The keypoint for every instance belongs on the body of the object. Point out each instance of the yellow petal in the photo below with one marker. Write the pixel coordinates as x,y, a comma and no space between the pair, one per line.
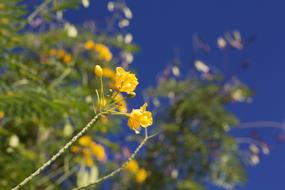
133,166
99,151
141,175
85,141
89,45
103,52
143,107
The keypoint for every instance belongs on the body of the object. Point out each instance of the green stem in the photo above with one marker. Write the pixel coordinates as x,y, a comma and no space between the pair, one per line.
60,78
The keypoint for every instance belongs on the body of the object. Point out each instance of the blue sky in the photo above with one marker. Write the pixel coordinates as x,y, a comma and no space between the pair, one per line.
161,26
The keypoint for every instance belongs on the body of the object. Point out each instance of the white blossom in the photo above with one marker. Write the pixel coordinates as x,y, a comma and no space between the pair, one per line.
128,13
14,141
202,67
221,42
71,30
85,3
128,38
124,23
111,6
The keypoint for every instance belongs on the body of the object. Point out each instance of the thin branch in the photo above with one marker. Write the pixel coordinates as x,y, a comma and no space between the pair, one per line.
61,179
146,138
60,78
59,153
247,140
38,9
50,175
260,124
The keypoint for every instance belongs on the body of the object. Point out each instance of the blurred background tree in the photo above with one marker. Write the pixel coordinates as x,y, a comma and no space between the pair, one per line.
47,94
47,90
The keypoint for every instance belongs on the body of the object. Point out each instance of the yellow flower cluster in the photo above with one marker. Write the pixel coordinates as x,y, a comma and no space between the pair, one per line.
61,54
127,82
103,51
140,173
89,148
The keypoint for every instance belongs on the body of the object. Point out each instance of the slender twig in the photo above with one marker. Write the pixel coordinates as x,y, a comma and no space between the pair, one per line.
49,176
247,140
60,78
59,153
102,90
124,165
38,9
260,124
61,179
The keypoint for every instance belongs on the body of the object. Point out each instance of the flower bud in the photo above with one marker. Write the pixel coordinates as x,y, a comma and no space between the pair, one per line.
98,71
131,94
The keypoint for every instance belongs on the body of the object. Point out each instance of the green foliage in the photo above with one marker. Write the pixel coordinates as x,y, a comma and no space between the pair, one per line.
11,23
42,95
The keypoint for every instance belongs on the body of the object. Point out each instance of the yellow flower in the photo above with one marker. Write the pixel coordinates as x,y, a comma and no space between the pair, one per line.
121,103
141,175
103,52
98,70
75,149
134,122
109,73
89,45
133,166
67,58
85,141
86,152
99,151
52,52
140,117
89,150
88,161
146,117
125,81
60,53
2,114
87,157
